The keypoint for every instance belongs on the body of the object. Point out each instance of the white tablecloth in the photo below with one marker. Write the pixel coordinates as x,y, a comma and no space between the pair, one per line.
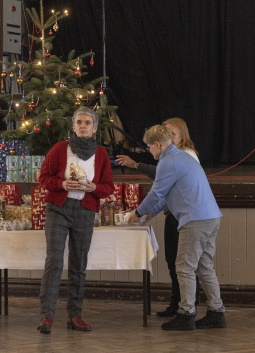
112,248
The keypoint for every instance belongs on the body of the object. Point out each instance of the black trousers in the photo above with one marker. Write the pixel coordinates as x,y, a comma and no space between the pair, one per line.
171,236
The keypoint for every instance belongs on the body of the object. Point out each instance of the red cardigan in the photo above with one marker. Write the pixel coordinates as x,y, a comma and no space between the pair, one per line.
53,170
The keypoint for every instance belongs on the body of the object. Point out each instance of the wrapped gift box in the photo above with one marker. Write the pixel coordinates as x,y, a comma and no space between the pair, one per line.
11,194
37,161
20,149
38,204
12,176
116,196
133,195
18,212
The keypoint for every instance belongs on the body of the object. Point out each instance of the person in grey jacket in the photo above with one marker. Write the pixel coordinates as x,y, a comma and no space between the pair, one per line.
181,185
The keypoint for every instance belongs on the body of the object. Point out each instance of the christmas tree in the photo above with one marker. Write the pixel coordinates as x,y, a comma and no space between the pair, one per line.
49,90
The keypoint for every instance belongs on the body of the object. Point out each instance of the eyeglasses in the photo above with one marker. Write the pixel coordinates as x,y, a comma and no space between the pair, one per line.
148,148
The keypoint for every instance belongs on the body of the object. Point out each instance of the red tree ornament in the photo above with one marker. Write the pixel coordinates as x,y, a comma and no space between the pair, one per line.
48,122
47,54
37,128
32,105
91,62
77,73
2,145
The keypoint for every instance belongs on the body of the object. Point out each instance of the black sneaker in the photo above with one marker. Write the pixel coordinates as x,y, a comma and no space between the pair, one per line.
169,312
213,319
181,322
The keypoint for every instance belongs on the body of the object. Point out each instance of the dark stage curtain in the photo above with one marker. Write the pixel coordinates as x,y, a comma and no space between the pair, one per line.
189,58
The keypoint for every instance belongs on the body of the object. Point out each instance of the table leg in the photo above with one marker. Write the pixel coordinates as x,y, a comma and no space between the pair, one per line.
145,297
149,291
0,292
6,291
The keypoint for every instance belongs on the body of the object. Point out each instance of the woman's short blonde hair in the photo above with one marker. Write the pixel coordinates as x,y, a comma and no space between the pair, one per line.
158,133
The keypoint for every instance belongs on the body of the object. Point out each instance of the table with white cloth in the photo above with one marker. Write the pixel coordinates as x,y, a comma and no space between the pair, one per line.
112,248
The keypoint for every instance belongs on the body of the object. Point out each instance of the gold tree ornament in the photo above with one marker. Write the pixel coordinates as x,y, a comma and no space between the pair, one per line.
19,80
12,151
77,102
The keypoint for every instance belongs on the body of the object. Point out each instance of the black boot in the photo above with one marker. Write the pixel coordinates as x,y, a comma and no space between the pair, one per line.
213,319
181,322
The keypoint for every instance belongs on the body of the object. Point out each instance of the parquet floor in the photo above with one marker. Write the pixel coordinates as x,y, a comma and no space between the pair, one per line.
117,328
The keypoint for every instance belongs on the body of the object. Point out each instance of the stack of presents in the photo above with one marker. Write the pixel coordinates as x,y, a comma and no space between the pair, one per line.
20,212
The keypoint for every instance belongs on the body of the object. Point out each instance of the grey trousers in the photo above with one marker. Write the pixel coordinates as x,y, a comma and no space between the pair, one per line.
78,222
196,250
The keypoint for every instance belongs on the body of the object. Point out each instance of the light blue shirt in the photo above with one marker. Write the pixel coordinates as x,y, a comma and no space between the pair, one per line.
182,186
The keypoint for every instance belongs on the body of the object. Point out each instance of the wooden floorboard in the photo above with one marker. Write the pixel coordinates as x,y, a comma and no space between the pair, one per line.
117,328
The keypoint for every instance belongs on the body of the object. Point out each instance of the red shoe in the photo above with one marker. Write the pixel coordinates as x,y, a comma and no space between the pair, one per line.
76,323
45,326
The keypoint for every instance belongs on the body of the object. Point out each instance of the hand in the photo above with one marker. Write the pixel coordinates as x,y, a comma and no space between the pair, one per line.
133,218
143,220
148,218
125,161
87,186
70,184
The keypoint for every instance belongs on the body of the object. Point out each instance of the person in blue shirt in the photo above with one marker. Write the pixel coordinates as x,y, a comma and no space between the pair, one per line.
182,186
181,138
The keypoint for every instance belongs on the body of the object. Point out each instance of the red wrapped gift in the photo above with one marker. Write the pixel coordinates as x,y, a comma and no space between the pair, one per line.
11,194
116,196
133,195
38,204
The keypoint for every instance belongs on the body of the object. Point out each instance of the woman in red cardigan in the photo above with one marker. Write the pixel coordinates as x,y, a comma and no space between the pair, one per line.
76,173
